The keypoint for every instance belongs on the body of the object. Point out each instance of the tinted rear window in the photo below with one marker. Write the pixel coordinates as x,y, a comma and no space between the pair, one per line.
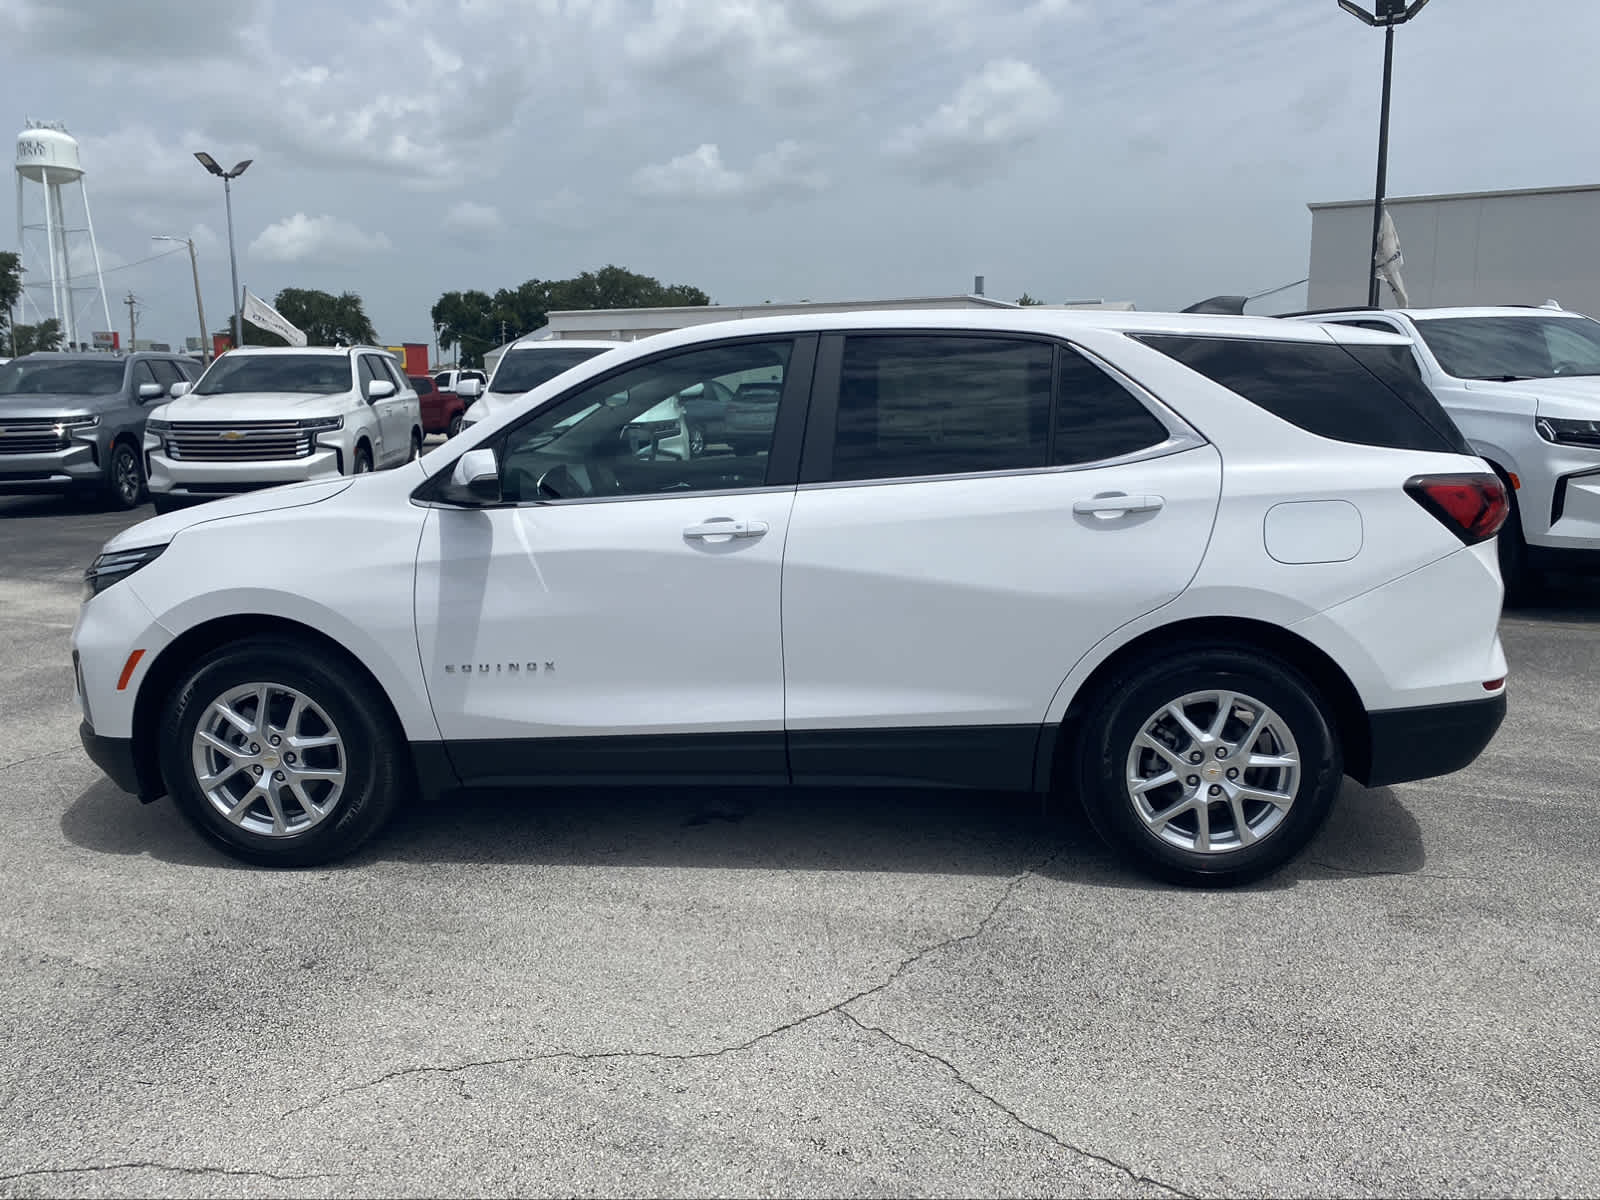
1368,395
524,370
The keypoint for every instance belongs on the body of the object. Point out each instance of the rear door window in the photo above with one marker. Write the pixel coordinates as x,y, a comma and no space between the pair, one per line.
1366,395
1096,417
938,404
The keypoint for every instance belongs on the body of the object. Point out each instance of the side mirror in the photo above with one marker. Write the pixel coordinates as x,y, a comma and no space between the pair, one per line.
615,400
475,480
149,391
469,389
380,389
181,388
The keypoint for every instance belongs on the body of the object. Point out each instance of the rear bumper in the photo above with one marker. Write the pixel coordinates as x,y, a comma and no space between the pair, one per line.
112,755
1434,739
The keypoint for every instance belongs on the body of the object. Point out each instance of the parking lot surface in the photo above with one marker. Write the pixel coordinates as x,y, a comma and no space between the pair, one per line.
727,993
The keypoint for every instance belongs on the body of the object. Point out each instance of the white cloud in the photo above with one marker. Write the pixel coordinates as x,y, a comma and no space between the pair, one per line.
701,174
300,237
994,114
470,217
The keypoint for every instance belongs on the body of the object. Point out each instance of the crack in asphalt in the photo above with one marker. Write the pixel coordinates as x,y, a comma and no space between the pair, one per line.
22,762
1012,1113
155,1166
664,1056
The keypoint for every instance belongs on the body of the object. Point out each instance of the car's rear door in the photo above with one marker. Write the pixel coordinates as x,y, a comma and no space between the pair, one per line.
975,512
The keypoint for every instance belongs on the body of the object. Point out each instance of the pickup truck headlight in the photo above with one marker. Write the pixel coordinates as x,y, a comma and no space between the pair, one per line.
159,428
66,425
113,565
322,423
1565,432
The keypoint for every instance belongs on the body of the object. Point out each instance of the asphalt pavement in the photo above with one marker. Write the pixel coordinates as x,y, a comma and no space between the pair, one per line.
697,993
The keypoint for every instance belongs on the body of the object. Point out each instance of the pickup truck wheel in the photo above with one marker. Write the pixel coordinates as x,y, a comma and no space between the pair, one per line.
1209,765
363,460
125,477
278,757
455,426
416,445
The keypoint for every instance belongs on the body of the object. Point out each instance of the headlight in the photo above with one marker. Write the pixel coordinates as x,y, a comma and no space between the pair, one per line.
322,423
117,564
159,428
1565,432
66,425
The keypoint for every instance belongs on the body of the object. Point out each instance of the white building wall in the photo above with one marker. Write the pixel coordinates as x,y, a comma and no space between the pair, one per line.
1521,247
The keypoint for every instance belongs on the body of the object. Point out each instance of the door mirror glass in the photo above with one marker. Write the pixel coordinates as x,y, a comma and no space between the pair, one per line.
474,480
179,389
149,391
380,389
469,389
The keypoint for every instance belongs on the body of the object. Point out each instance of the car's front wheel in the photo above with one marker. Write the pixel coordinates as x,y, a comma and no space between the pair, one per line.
363,462
1209,765
278,757
455,426
125,486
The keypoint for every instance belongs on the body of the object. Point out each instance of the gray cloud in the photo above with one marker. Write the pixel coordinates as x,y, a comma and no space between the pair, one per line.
994,114
701,174
325,238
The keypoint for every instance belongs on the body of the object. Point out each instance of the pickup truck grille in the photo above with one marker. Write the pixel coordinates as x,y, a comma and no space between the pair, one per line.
237,441
31,435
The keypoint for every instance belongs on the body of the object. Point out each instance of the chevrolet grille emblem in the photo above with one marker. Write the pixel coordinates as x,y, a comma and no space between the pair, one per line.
233,435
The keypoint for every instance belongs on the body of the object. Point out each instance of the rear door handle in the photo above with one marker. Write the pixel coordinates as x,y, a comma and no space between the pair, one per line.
1115,504
726,527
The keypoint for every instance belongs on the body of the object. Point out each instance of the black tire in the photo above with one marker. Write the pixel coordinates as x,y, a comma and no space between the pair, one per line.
416,445
162,505
1139,691
125,486
363,463
377,769
455,426
697,441
1511,547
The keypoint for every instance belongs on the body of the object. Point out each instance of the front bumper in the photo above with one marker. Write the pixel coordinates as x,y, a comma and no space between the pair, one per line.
207,480
78,465
114,756
1434,739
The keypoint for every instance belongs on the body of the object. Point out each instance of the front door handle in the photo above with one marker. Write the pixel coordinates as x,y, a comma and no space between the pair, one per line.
1115,504
723,528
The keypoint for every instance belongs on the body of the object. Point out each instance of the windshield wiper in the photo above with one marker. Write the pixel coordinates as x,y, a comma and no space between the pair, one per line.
1501,378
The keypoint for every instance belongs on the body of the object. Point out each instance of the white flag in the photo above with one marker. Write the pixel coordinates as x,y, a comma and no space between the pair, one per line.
262,315
1388,260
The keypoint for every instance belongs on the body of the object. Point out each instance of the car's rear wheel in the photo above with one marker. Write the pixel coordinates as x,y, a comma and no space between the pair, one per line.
279,758
125,486
1209,765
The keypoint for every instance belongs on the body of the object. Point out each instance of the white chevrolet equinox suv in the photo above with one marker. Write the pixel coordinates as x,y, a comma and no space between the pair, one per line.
1190,571
262,416
1523,385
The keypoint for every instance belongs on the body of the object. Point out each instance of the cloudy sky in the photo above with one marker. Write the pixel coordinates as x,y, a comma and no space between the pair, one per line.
1149,150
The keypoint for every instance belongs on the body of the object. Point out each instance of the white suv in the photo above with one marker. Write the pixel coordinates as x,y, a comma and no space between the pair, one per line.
1189,570
524,366
1523,384
259,417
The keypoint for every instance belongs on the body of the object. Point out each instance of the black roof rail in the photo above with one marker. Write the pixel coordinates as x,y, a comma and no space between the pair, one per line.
1232,306
1343,308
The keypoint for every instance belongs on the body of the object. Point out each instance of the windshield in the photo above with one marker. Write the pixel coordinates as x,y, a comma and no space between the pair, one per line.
1513,347
313,374
20,377
523,370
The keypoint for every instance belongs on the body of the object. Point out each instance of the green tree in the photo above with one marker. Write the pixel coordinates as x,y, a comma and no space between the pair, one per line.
477,322
10,292
46,335
325,319
1026,300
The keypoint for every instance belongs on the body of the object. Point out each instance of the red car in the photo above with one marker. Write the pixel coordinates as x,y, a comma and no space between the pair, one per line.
441,410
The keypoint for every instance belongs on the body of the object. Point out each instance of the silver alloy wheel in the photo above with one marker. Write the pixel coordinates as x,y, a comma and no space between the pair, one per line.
1213,772
125,474
268,759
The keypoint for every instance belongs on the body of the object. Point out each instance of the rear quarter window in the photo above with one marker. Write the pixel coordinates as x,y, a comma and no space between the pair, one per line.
1367,395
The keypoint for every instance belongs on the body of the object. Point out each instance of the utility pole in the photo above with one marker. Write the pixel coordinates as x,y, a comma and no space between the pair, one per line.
133,324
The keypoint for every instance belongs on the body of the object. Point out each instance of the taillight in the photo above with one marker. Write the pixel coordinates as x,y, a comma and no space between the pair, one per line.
1473,507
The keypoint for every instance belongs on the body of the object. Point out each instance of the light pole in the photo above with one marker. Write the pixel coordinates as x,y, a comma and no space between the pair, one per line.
200,308
227,178
1388,14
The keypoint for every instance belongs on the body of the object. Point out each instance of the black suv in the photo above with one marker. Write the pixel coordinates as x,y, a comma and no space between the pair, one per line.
75,422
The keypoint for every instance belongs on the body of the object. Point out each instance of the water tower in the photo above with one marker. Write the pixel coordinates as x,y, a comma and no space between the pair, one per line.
47,159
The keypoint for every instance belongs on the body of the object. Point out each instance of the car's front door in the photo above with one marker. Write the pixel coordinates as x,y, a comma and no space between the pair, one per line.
975,512
617,615
396,411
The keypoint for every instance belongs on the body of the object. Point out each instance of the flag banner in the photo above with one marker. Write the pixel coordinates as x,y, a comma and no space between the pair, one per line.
263,316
